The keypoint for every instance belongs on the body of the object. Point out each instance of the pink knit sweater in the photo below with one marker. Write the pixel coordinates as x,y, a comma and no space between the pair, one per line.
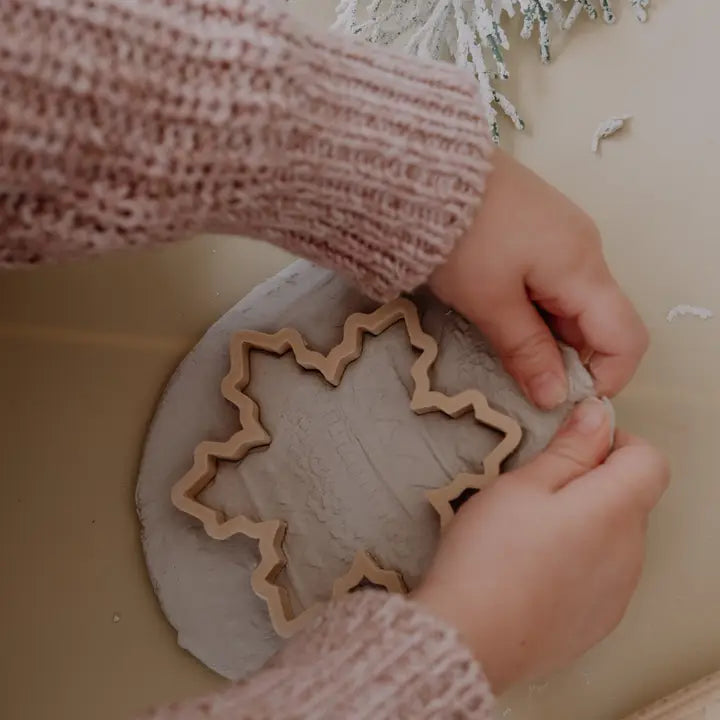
125,122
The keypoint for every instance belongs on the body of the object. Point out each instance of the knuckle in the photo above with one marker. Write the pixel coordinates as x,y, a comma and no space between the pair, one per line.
653,460
637,336
571,458
583,250
659,467
652,476
643,338
586,231
591,234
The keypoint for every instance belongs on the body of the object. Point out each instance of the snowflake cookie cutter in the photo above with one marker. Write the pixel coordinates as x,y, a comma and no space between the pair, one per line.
271,533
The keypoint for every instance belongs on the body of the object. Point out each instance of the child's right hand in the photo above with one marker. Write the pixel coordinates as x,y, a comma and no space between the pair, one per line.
541,566
530,248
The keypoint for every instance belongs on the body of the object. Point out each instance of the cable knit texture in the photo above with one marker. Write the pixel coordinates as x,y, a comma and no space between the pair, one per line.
124,122
371,656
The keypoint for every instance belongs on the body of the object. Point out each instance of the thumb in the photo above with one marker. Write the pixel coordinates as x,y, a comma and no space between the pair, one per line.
636,474
527,349
582,443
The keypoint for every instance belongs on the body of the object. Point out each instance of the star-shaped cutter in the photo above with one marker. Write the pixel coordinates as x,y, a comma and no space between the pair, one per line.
271,533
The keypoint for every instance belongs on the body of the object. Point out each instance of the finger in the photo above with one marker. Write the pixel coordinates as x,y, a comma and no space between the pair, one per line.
527,349
581,444
582,292
635,475
567,330
617,337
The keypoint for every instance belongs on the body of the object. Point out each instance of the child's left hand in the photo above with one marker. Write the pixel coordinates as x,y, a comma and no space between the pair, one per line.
540,566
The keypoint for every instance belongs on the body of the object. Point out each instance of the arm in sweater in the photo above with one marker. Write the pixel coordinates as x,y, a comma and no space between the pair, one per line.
124,122
369,657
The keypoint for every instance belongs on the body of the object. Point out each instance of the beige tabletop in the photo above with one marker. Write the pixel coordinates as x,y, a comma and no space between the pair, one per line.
86,347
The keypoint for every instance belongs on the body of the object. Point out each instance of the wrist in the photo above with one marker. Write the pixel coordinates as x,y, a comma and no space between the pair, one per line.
474,626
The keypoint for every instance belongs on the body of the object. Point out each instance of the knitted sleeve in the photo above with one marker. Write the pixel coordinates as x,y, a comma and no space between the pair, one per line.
369,657
125,122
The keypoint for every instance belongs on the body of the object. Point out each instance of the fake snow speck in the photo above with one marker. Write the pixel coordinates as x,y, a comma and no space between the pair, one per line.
607,128
639,8
116,617
537,689
694,310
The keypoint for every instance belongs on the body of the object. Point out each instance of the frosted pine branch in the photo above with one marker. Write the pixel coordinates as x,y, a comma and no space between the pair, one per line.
470,33
640,9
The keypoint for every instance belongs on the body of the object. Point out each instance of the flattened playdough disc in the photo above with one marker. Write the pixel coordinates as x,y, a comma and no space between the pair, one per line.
347,468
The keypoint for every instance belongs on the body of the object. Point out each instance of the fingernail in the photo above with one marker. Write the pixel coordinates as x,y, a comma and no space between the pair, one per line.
610,410
548,390
589,416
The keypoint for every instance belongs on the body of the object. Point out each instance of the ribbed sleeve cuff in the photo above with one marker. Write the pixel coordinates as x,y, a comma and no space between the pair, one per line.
369,656
388,163
386,657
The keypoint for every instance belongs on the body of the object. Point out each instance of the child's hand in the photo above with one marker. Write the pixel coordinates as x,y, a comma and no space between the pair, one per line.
528,244
541,566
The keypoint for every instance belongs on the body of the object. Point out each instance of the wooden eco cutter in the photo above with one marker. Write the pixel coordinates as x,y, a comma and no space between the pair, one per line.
271,533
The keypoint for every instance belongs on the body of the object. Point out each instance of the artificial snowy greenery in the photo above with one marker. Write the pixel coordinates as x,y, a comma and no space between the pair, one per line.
470,32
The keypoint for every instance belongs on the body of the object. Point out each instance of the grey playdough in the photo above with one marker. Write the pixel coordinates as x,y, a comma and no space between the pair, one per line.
347,468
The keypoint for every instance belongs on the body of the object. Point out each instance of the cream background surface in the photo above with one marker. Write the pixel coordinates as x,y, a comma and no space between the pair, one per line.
86,347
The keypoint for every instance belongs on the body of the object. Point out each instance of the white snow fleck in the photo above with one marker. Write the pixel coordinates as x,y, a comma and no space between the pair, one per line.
681,310
537,688
116,617
607,128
